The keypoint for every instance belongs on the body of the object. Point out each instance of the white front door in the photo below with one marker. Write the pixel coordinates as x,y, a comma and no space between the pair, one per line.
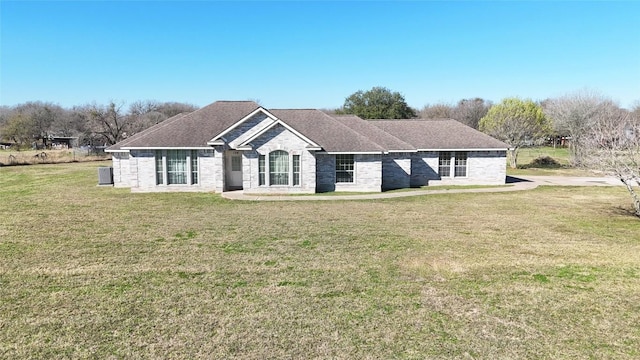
233,170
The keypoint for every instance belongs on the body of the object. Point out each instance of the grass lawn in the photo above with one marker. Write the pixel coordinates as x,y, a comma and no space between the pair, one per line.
99,272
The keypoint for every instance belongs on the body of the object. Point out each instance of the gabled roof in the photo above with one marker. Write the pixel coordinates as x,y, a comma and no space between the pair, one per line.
219,136
439,134
310,143
190,130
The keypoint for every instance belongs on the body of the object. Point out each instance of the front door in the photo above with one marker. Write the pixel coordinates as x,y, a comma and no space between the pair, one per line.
233,170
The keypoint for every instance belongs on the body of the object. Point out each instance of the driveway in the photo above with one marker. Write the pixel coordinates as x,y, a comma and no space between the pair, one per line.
518,183
570,180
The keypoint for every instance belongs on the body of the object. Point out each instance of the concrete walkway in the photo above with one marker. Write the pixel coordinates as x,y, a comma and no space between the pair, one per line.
513,184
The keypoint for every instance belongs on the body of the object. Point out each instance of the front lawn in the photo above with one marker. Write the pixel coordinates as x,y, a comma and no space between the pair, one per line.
99,272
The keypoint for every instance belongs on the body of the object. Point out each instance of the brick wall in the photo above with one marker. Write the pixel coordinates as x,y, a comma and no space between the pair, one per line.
396,170
142,170
121,169
483,168
279,138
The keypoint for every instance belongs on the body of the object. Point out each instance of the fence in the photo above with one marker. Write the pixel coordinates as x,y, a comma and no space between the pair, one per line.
31,157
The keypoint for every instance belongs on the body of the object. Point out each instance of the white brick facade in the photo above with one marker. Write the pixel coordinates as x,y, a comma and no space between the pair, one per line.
483,168
372,172
367,173
121,169
279,138
230,158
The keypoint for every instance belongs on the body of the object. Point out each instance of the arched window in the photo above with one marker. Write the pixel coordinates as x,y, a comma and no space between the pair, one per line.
279,168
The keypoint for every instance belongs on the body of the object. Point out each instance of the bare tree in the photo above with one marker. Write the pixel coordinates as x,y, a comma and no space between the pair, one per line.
437,111
573,115
612,145
470,111
144,114
30,123
171,109
69,124
109,122
19,129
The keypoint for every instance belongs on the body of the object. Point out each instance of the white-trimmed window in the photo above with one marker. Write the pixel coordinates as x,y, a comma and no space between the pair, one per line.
460,164
296,170
282,169
278,168
176,167
261,170
345,166
452,162
444,164
159,168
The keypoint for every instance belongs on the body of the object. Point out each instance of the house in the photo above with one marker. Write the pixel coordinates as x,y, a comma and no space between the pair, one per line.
233,145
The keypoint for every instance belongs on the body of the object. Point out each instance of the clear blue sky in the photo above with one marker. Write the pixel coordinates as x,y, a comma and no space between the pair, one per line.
314,54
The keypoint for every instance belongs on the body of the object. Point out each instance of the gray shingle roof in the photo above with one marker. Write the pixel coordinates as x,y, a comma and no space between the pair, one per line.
439,134
326,131
193,129
147,132
332,133
374,133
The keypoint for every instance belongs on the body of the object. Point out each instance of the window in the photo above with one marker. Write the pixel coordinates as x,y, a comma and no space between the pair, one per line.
279,168
194,167
159,168
444,164
296,170
282,169
344,168
236,163
176,167
456,160
460,164
261,170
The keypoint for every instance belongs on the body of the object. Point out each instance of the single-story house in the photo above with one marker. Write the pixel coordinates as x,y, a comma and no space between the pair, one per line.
240,145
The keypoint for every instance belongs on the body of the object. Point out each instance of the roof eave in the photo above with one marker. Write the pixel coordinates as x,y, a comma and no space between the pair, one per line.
352,152
402,151
115,150
166,148
462,149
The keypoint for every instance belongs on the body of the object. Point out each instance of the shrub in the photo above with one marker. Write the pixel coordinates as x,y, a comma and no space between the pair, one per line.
544,162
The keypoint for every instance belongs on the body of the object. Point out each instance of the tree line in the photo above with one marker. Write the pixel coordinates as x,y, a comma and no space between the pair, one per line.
603,136
35,123
518,122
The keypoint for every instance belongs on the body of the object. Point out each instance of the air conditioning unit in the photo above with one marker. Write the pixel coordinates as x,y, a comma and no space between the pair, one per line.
105,175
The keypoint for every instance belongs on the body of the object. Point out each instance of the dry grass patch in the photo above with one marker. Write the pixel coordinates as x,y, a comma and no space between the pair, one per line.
38,157
88,271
